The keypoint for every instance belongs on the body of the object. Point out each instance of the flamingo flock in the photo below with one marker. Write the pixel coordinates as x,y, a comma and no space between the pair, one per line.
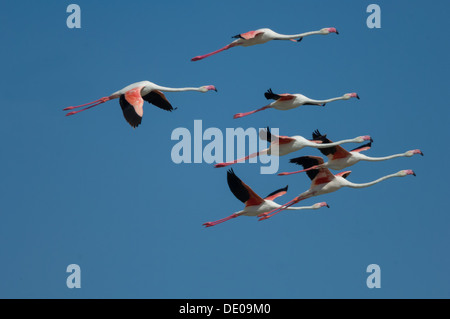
132,97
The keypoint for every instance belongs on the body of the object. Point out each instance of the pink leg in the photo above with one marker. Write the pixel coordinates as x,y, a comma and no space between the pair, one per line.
303,170
209,224
280,209
239,115
91,105
201,57
239,160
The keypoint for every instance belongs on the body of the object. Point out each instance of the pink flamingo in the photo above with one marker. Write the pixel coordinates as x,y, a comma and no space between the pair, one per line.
132,97
287,101
264,35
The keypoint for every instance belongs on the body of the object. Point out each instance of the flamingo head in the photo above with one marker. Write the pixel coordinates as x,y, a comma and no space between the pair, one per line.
319,205
363,138
412,152
406,172
207,88
344,174
329,30
350,95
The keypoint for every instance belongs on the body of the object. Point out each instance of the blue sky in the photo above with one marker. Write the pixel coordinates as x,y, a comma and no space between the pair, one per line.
92,191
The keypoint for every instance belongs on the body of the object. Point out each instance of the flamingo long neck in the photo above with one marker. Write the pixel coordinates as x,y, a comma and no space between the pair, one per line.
300,208
294,36
384,158
329,100
325,145
167,89
353,185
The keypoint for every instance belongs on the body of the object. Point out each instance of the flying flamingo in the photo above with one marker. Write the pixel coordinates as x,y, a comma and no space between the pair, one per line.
132,97
264,35
254,205
282,145
286,101
324,182
339,158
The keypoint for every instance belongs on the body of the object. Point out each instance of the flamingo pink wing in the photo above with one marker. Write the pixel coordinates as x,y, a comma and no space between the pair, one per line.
344,174
286,97
285,139
277,193
250,34
131,103
324,176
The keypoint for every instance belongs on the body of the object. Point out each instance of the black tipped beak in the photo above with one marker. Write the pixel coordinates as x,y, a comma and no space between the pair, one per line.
421,153
215,90
357,96
328,206
414,174
337,32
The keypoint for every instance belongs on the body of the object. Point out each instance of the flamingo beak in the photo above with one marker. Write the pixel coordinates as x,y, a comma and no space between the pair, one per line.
357,96
410,172
211,88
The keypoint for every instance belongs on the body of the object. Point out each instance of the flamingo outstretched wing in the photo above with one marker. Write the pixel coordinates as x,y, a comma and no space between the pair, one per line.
334,152
266,135
278,97
248,35
242,191
276,194
362,148
131,103
158,99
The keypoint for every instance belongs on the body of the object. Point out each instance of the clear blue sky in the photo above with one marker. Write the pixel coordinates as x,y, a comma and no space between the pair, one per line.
92,191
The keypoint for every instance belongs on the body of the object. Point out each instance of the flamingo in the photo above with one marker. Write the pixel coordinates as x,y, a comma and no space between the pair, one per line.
339,158
324,182
264,35
287,101
289,144
255,205
132,97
